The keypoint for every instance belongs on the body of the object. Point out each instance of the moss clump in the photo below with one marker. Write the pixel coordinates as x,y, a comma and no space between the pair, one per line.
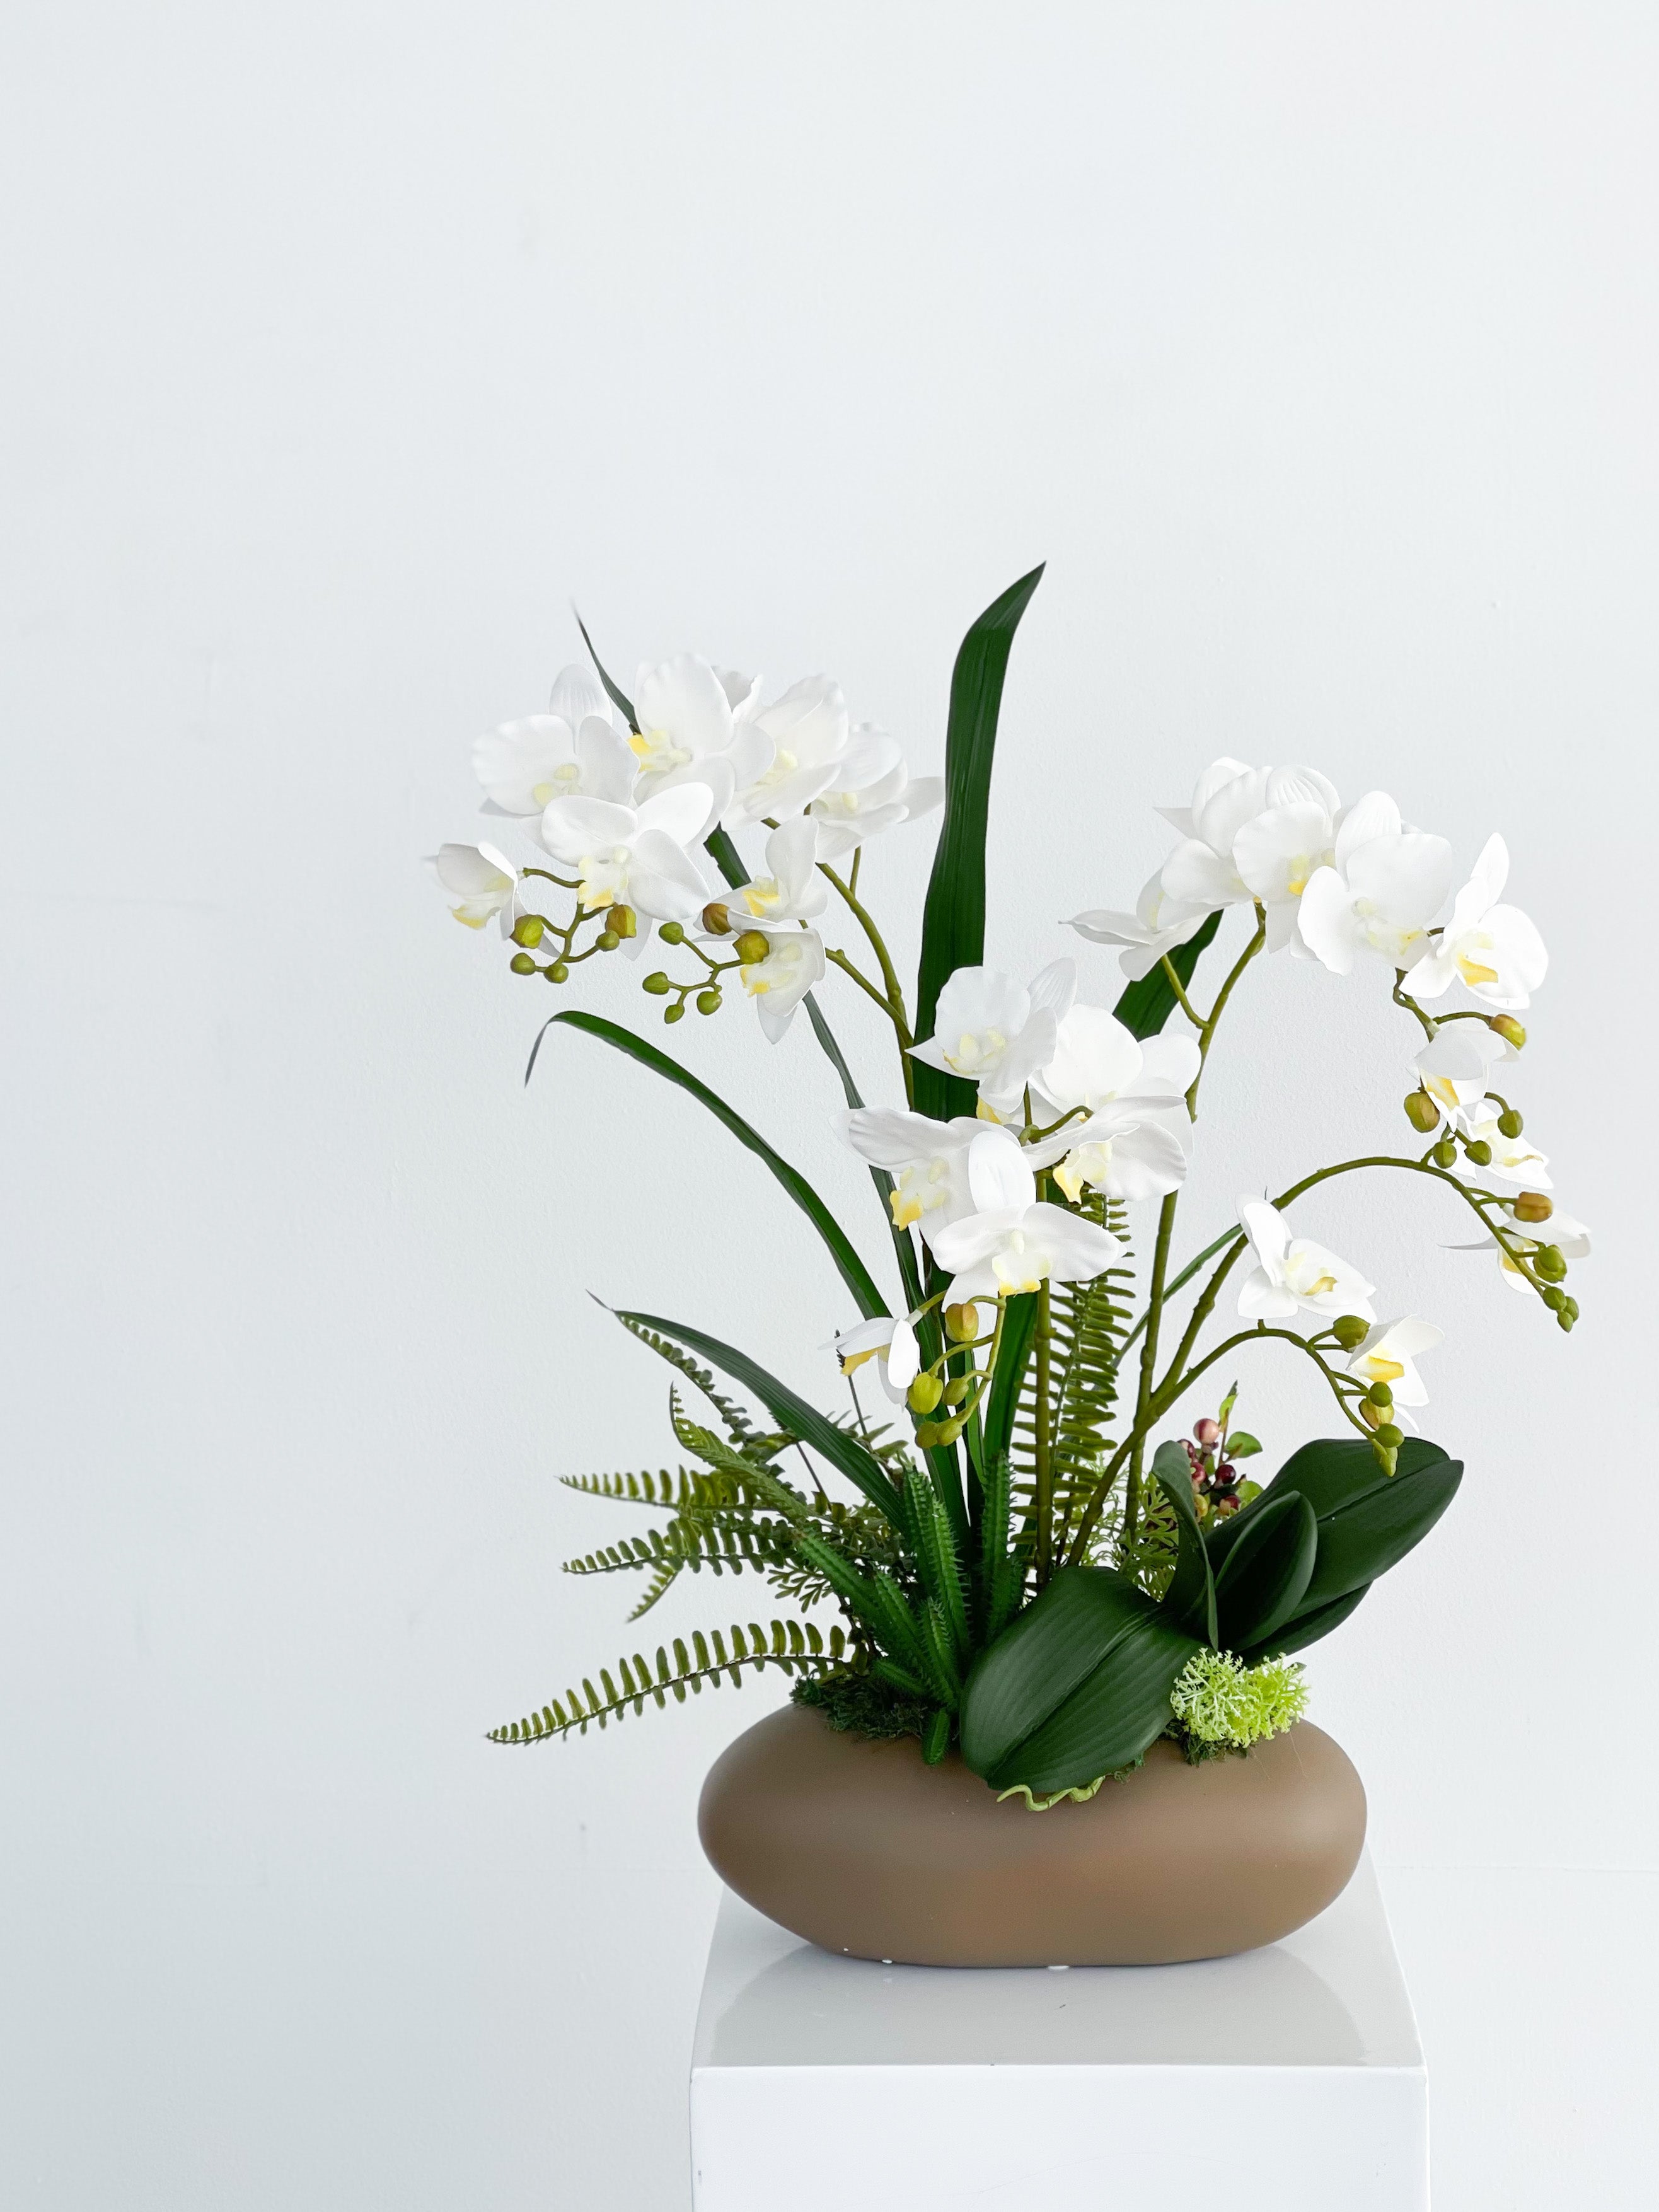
862,1704
1221,1704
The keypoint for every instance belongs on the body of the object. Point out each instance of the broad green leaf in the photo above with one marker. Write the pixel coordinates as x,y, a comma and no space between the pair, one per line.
953,920
1111,1719
1265,1575
1189,1600
853,1272
1307,1628
854,1459
1147,1005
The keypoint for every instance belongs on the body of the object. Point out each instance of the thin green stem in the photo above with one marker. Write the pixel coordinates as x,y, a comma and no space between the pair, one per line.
1042,1495
888,974
1180,990
1256,1335
840,960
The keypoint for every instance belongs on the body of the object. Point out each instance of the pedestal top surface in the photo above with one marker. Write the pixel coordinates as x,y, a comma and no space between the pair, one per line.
1331,1995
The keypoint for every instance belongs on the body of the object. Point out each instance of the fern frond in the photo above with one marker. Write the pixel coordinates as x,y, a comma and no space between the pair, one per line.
669,1493
694,1545
794,1646
738,1426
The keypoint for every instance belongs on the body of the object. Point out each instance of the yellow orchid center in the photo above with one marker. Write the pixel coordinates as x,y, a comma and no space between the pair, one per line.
656,751
1473,972
1381,1369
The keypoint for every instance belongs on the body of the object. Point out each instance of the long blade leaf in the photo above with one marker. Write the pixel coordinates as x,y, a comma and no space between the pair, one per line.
855,1460
953,920
1147,1005
853,1272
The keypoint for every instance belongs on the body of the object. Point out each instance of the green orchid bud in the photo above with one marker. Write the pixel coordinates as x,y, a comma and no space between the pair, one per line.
924,1393
676,1012
558,973
1564,1321
751,946
1349,1330
657,984
1479,1154
607,940
962,1323
1507,1028
951,1431
1569,1308
1549,1263
1534,1206
529,930
708,1002
1510,1123
624,922
671,933
1390,1438
1445,1153
1421,1111
1553,1297
522,964
1386,1456
956,1389
1380,1395
928,1434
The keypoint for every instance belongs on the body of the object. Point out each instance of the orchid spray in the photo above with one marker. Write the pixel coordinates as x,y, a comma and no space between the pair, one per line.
1025,1562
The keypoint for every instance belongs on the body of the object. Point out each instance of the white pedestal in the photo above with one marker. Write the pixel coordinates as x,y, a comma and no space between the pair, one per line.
1289,2080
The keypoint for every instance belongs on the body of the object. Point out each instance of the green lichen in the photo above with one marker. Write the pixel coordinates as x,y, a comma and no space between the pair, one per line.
1220,1702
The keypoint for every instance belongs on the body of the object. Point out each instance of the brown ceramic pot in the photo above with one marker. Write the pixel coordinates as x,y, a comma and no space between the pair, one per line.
863,1848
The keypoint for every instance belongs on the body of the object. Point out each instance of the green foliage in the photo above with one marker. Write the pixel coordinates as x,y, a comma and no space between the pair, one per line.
1190,1598
1144,1007
953,918
864,1705
853,1271
1221,1700
790,1645
738,1426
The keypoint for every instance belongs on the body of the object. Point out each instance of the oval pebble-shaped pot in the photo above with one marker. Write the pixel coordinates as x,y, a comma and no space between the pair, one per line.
863,1848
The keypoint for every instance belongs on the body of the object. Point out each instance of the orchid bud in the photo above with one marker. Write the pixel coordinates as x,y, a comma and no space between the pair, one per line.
522,964
672,933
1569,1308
955,1390
1380,1395
656,983
1390,1438
715,919
1386,1456
751,946
950,1432
1549,1262
1479,1154
1507,1028
1445,1153
1421,1111
528,930
924,1393
676,1012
1349,1330
962,1323
708,1002
1510,1123
1553,1297
1534,1206
928,1433
558,973
1371,1415
1564,1321
1207,1432
624,922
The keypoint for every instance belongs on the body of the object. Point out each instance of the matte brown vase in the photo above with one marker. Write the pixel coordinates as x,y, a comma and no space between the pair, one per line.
863,1848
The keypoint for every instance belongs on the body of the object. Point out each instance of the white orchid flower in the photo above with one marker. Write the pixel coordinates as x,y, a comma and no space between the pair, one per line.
1157,924
1010,1243
480,878
1131,1143
1387,1355
1097,1059
691,717
1570,1237
792,890
1384,887
989,1030
1201,872
891,1343
1292,1274
1514,1159
1278,852
928,1160
794,961
802,739
634,855
1495,951
873,790
574,749
1455,1066
1129,1150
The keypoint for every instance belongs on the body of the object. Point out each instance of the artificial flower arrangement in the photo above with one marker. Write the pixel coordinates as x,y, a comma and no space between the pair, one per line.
1029,1566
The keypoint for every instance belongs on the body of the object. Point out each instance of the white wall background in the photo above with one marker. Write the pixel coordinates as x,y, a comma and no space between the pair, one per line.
1314,346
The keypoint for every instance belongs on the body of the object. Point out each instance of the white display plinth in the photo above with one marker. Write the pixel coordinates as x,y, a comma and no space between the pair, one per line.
1289,2080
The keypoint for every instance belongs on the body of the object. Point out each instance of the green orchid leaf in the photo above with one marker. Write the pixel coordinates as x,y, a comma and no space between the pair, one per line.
1147,1005
853,1271
858,1463
953,920
618,699
1265,1576
1190,1599
1307,1628
1077,1686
